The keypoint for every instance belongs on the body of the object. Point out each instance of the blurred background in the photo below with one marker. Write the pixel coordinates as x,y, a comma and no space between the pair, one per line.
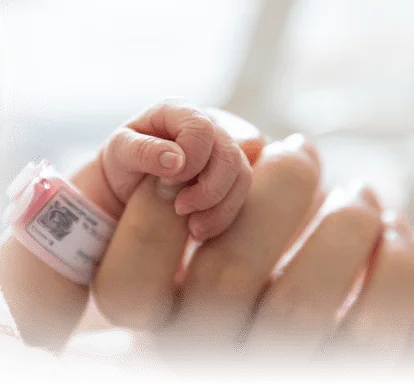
340,71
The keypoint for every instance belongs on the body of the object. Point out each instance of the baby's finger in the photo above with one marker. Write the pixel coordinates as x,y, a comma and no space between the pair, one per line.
216,180
210,223
129,155
137,152
245,134
188,126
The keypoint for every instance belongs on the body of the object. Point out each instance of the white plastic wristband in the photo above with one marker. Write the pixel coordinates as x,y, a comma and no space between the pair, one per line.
53,220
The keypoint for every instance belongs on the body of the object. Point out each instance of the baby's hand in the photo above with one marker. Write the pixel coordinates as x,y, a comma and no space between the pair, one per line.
184,147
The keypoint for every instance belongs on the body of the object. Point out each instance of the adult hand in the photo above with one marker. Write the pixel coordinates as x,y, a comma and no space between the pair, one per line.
233,296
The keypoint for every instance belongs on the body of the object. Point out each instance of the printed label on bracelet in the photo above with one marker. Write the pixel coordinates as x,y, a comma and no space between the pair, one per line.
71,231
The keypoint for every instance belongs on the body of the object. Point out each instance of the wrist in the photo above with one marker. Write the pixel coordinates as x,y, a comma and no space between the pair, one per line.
46,306
45,268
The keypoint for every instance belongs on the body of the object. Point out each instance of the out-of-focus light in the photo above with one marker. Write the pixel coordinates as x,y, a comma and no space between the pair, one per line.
348,65
85,56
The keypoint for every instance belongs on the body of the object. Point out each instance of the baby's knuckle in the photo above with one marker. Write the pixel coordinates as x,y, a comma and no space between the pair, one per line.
211,194
200,126
143,153
228,213
115,141
221,220
231,156
160,112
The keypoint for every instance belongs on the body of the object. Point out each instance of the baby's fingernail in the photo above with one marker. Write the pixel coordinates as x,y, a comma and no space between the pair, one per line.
197,234
183,210
171,160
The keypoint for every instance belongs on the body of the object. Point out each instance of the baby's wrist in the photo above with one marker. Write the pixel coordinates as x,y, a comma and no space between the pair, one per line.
52,219
46,306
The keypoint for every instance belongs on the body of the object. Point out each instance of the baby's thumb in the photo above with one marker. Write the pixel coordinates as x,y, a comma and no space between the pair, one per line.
134,152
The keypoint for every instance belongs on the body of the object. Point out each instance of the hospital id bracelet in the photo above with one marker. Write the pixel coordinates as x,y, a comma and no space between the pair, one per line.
51,218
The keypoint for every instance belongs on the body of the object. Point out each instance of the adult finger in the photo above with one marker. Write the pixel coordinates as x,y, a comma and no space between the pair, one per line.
134,286
380,325
312,279
227,273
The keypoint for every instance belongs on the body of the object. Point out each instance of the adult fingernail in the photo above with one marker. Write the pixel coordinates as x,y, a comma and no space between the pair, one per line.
171,160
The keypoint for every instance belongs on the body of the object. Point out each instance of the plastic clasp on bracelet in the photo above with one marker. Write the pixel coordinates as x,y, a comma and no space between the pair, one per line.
29,174
27,187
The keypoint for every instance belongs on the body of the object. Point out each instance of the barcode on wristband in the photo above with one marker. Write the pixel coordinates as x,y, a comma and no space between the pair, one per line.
72,231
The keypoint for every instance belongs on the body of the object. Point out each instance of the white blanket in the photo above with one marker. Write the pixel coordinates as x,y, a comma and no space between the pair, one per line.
99,356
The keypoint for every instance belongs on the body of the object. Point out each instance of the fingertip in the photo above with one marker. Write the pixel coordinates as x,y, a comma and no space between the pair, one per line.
202,235
207,225
197,235
183,206
171,161
198,232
